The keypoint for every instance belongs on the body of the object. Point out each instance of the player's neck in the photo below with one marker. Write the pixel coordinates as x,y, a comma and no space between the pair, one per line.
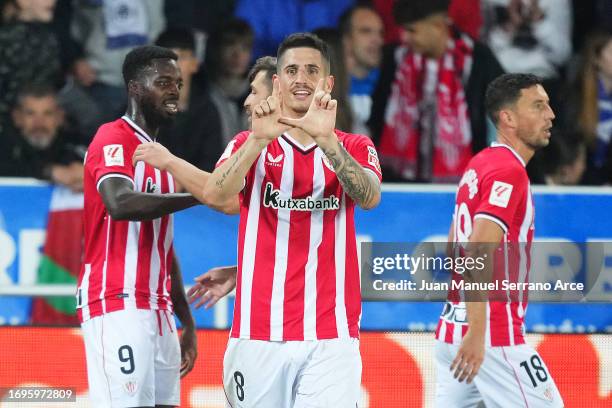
138,117
524,151
301,137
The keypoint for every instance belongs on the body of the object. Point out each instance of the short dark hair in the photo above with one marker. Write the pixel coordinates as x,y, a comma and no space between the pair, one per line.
308,40
506,90
179,38
345,21
35,90
266,64
409,11
141,58
229,33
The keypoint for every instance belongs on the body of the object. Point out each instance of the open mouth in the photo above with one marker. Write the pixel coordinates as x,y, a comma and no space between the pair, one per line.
171,106
302,94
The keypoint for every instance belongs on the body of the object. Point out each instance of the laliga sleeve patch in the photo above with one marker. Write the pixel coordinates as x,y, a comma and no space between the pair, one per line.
373,159
500,194
113,155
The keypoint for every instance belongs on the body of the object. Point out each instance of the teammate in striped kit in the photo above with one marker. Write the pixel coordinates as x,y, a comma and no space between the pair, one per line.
130,283
294,338
494,206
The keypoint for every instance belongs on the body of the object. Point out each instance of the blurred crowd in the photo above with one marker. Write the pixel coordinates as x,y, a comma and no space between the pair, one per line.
410,74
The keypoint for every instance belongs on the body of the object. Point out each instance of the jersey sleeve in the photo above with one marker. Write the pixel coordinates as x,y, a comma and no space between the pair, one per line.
232,147
503,191
109,156
364,152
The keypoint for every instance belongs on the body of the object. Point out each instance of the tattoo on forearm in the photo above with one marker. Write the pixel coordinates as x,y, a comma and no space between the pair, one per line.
232,167
355,181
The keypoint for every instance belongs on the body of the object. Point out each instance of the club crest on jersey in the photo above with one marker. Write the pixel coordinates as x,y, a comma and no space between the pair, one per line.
150,186
113,155
327,163
274,161
272,200
471,179
373,159
500,194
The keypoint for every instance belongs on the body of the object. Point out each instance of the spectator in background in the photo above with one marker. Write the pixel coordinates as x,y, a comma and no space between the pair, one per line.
428,115
29,51
363,36
273,20
195,134
531,36
107,31
465,14
337,65
566,160
590,107
39,147
228,55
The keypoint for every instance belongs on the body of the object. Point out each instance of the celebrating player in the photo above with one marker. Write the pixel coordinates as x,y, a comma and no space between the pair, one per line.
487,355
130,282
220,281
294,338
189,176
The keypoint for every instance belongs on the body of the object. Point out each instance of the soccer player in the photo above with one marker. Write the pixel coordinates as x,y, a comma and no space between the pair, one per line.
130,283
218,282
189,176
294,338
481,353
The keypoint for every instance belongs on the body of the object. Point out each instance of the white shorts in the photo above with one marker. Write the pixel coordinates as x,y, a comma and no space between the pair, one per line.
133,359
292,374
513,376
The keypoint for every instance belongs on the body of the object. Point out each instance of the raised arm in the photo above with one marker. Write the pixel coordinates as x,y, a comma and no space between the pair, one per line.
362,186
189,176
123,203
228,179
319,122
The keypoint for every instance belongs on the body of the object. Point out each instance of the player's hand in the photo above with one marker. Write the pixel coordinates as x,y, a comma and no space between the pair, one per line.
469,358
189,350
320,120
266,114
212,286
154,154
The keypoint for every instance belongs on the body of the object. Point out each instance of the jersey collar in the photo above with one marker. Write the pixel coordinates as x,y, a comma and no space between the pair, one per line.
139,132
497,144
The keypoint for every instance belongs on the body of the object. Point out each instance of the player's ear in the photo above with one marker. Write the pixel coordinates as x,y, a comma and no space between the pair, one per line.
134,87
329,83
506,117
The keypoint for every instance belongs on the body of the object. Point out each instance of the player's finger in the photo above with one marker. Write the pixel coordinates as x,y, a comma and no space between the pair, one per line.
465,372
203,300
332,105
325,100
276,87
456,361
259,111
290,121
272,103
265,106
213,301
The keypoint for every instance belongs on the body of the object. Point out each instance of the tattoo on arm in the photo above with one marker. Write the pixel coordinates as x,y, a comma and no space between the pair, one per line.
234,163
355,181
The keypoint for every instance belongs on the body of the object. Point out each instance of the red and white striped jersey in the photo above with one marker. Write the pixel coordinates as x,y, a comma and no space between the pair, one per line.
494,186
298,276
127,263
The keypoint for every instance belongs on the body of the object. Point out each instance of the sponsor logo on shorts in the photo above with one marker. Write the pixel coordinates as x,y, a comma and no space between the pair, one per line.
130,387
